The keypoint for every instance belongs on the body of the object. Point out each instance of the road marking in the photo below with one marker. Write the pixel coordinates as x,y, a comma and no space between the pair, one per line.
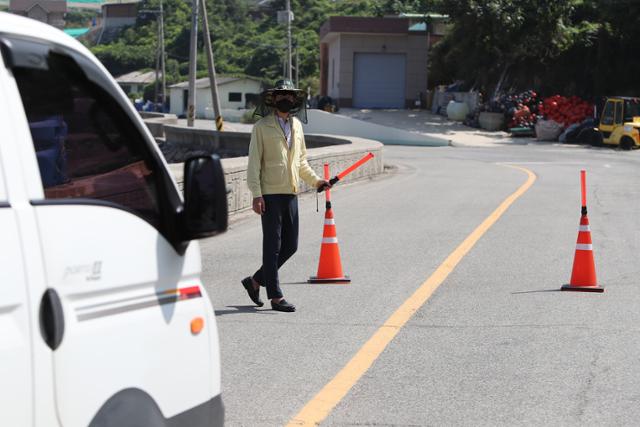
318,408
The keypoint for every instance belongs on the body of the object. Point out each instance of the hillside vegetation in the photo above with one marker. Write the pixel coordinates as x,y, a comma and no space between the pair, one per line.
246,40
582,47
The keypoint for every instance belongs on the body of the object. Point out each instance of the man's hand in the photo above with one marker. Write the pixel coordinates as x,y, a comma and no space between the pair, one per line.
258,205
322,185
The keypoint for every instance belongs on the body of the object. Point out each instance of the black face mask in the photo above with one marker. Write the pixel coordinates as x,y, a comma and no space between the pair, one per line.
284,105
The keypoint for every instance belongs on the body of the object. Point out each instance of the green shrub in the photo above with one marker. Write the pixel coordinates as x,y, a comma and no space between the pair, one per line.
248,117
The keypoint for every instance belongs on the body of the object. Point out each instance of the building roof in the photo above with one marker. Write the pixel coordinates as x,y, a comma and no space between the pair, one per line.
433,16
48,5
114,2
401,25
204,82
138,77
360,24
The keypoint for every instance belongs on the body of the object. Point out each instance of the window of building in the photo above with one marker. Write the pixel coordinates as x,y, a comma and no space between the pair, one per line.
235,97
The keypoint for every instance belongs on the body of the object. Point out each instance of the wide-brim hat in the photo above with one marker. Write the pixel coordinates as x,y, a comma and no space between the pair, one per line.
267,100
286,86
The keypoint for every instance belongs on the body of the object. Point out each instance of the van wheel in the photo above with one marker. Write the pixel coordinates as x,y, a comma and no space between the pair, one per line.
627,143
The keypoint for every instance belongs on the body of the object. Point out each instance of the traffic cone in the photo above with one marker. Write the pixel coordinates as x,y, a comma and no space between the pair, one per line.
329,267
583,276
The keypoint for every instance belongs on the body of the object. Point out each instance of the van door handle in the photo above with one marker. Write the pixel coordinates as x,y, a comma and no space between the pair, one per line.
51,319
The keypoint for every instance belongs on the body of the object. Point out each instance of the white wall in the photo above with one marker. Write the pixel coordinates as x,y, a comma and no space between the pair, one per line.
204,106
175,101
243,86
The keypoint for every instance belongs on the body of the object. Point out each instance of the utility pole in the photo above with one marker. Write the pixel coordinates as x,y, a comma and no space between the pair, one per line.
427,58
157,81
212,69
289,39
160,56
427,24
297,68
193,62
163,98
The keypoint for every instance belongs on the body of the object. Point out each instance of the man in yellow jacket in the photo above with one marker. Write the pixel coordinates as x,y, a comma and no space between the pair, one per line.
277,161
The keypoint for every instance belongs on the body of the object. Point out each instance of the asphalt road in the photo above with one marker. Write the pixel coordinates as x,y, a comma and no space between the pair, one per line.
496,343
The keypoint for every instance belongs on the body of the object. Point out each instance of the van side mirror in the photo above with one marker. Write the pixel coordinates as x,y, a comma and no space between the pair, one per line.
205,198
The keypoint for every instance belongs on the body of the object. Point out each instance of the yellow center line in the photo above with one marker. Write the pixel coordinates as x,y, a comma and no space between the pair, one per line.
318,408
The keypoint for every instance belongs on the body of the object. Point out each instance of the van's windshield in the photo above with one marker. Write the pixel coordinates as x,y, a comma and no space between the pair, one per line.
631,109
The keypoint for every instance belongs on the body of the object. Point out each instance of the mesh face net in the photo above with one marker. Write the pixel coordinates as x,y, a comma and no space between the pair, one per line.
267,104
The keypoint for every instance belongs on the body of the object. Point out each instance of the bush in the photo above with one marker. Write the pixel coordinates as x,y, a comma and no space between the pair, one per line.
248,117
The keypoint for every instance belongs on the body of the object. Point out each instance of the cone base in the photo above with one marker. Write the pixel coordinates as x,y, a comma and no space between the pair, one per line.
582,288
315,279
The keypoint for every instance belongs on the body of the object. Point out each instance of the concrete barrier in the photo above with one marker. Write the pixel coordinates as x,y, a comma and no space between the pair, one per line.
338,152
324,122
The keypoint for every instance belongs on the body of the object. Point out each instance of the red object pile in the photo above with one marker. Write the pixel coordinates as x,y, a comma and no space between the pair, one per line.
565,111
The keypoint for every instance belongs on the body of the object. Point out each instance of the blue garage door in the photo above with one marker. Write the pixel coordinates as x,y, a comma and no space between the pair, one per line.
378,80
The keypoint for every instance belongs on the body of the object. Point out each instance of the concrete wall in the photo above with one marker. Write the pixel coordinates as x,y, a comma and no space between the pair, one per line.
157,121
117,22
413,46
328,123
339,157
334,76
416,81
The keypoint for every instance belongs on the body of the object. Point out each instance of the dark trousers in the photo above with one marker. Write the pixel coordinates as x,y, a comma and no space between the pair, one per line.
279,239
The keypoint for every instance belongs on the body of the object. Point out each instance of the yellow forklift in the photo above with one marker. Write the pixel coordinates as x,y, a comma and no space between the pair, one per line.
619,124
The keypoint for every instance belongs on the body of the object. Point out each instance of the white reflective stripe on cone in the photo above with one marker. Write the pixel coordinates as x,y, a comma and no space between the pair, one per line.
329,240
584,247
330,221
584,228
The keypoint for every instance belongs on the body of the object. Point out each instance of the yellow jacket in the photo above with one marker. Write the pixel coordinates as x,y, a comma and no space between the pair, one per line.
274,168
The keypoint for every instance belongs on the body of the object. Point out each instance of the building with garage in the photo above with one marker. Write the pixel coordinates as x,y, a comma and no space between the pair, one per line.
377,62
233,93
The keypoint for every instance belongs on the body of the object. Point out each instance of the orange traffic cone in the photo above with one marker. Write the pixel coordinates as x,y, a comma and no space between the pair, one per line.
583,276
329,267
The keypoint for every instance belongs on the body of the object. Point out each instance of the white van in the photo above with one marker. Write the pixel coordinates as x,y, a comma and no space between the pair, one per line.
103,318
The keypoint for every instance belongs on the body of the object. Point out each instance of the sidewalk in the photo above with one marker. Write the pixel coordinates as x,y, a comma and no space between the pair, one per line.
421,121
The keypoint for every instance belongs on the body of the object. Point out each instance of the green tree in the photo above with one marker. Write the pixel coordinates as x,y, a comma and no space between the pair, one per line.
489,39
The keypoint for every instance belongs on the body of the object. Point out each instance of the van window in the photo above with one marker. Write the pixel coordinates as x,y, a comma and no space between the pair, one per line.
631,109
607,114
86,145
619,112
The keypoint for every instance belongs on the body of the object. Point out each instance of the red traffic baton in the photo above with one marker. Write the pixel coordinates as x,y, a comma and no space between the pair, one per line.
346,172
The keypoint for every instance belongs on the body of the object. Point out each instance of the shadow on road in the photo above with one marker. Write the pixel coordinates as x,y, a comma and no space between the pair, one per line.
313,284
238,309
533,292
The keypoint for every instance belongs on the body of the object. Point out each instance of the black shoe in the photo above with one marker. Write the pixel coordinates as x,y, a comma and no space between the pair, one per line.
283,306
254,294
